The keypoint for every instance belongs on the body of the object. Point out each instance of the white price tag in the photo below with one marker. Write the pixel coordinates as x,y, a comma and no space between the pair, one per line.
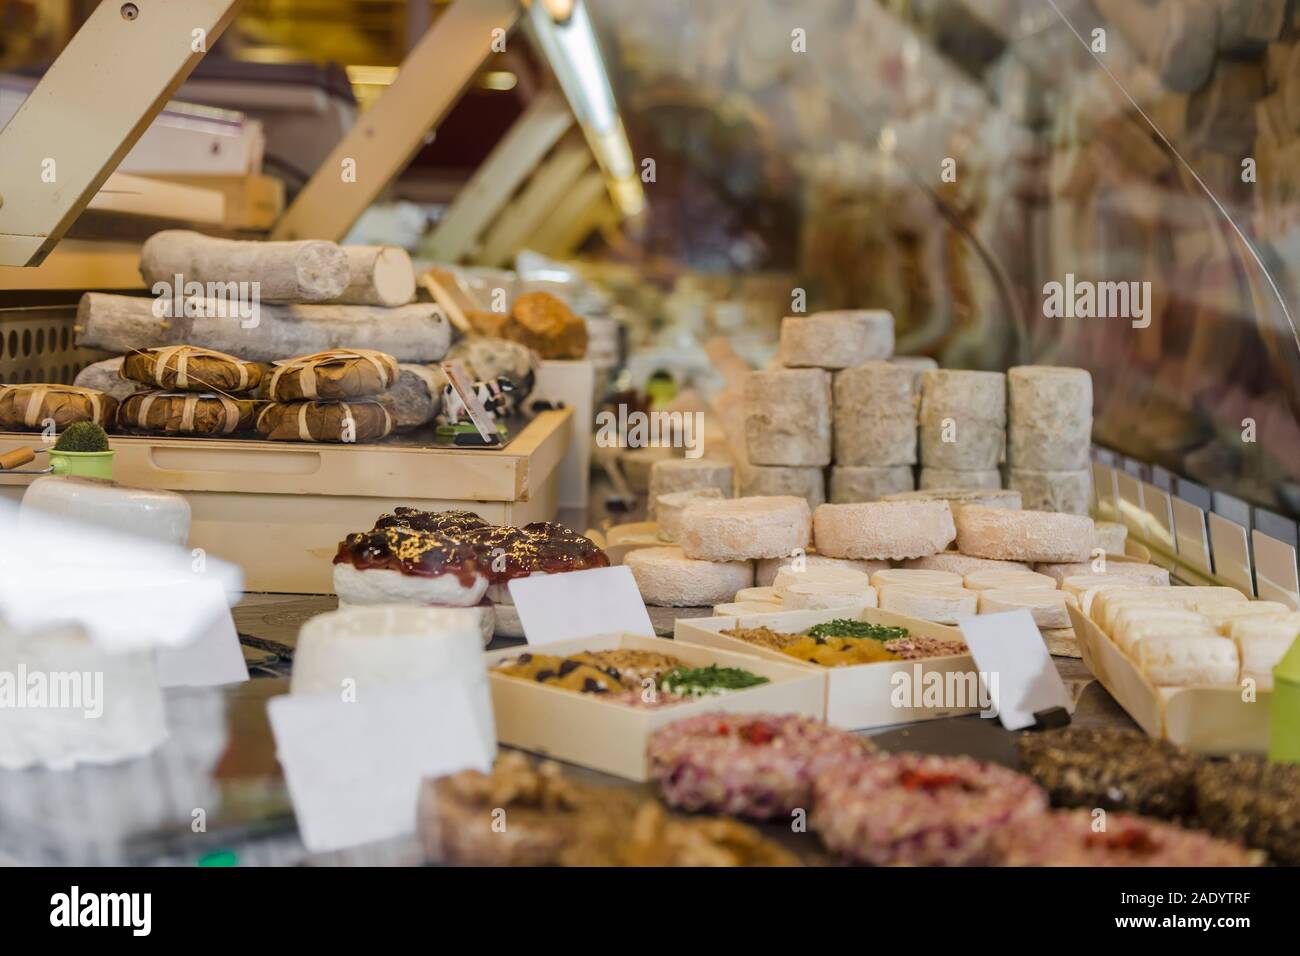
212,658
556,607
1014,665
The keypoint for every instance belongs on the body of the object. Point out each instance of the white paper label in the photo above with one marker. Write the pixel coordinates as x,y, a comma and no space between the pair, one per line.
557,607
1014,665
214,657
354,768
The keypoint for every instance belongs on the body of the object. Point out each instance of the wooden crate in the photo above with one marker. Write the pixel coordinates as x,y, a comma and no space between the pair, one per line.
279,509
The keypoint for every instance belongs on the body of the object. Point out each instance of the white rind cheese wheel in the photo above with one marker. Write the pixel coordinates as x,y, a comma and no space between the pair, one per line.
766,570
940,605
883,529
667,578
875,415
819,595
959,443
1003,580
1047,606
1023,535
961,564
776,480
1077,584
788,417
947,479
1111,537
687,474
767,595
745,608
916,578
672,508
844,579
1068,492
838,339
964,395
1135,572
742,529
850,483
1181,660
988,497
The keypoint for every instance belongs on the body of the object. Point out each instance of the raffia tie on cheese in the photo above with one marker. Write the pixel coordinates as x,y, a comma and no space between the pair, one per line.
32,416
307,365
182,353
189,407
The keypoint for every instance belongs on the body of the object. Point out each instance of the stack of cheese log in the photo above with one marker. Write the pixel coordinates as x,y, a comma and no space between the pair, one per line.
963,429
266,302
1049,430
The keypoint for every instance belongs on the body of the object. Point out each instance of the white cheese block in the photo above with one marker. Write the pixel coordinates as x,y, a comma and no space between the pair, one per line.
988,497
110,706
486,611
843,579
850,483
1135,623
1003,580
1289,624
1023,535
768,480
1137,571
687,474
366,586
973,396
875,407
961,564
1111,537
1066,491
1262,642
1189,660
1222,614
839,339
1076,584
916,577
768,595
1048,394
744,608
788,417
1048,606
672,509
1105,603
883,529
766,570
667,578
948,479
144,512
958,442
818,595
1039,448
742,529
940,605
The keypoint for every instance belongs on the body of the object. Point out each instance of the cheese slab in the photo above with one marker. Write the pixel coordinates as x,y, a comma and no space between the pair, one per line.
1023,535
883,529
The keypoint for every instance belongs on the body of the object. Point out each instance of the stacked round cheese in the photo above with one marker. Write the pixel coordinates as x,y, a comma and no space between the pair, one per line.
686,474
788,417
852,483
1023,535
744,529
1049,431
813,588
766,570
667,578
962,424
875,431
766,480
672,509
834,340
991,497
883,529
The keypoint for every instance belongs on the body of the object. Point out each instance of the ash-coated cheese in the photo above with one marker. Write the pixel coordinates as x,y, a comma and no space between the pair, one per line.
839,339
961,564
949,479
788,417
766,570
1048,606
667,578
1066,491
956,497
687,474
672,507
742,529
875,415
767,480
883,529
916,578
1015,580
819,595
940,605
850,483
1023,535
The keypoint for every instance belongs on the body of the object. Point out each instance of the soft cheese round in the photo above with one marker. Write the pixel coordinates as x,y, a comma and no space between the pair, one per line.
672,507
766,570
917,577
1048,606
883,529
839,339
742,529
940,605
1023,535
962,564
1000,580
817,595
667,578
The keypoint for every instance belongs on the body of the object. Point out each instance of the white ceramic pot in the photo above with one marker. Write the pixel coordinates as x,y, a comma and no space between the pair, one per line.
160,515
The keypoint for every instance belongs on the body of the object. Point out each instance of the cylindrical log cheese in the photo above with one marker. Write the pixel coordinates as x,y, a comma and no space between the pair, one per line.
667,578
310,270
742,529
839,339
1065,491
686,474
989,497
378,275
947,479
672,509
123,323
788,417
850,483
766,480
1023,535
105,377
883,529
875,415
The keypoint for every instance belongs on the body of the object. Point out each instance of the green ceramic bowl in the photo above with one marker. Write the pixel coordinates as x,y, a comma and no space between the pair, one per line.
82,464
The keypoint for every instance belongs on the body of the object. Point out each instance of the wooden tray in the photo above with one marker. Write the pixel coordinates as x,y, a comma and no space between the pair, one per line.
279,509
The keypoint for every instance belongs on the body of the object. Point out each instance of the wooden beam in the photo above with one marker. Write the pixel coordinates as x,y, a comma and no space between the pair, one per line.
520,219
389,134
88,110
142,196
604,215
586,193
78,265
524,145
